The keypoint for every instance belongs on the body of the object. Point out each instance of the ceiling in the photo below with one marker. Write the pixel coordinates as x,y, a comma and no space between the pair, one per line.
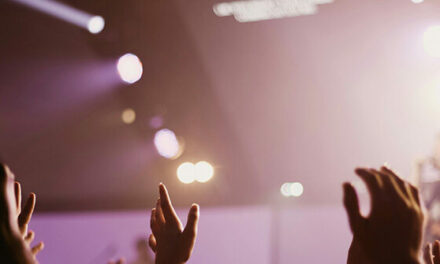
298,99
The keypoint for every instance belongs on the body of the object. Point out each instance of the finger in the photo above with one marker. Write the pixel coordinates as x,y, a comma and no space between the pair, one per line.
17,189
154,225
189,234
351,204
395,184
373,183
436,252
26,214
152,243
36,249
399,181
120,261
427,255
160,219
167,208
29,237
8,215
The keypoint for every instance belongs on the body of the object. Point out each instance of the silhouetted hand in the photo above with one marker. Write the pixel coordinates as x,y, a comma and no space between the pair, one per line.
14,249
431,254
24,217
392,233
171,243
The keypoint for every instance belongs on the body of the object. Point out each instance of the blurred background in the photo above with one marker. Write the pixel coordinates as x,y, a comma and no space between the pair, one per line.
257,110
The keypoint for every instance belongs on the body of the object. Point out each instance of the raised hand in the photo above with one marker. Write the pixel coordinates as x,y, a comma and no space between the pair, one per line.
119,261
431,253
392,233
13,249
24,217
172,243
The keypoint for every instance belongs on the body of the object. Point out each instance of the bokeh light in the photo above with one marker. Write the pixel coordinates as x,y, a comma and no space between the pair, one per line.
128,116
130,68
203,171
166,144
186,172
95,24
431,41
417,1
295,189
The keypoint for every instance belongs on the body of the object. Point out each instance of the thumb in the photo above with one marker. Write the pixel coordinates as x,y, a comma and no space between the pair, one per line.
190,232
351,204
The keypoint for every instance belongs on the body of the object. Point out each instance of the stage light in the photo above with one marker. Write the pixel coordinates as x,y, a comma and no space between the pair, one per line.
130,68
167,144
296,189
431,41
417,1
128,116
203,171
186,172
292,189
96,24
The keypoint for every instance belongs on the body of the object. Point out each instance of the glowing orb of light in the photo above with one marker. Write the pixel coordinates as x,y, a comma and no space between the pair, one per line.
431,41
186,172
417,1
295,189
128,116
95,24
166,144
203,171
130,68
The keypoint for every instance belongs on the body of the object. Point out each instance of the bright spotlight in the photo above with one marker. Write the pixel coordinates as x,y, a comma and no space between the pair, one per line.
130,68
167,144
292,189
96,24
186,172
203,171
128,116
417,1
431,41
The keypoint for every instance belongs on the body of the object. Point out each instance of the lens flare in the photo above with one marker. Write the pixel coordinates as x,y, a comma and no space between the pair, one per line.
186,172
96,24
128,116
203,171
166,144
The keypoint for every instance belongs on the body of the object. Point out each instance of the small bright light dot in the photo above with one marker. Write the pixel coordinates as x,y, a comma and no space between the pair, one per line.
296,189
431,41
204,171
285,189
186,172
96,24
166,144
128,116
130,68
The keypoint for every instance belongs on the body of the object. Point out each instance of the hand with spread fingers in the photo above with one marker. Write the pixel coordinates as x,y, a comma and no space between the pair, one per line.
24,217
172,243
392,233
14,249
431,253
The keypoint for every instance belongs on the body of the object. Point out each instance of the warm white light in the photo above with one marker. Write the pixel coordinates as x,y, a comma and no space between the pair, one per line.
417,1
130,68
128,116
203,171
431,41
167,144
296,189
292,189
186,172
96,24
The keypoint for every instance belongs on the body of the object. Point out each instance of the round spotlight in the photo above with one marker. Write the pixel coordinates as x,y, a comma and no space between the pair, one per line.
95,24
431,41
203,171
130,68
128,116
167,144
296,189
285,189
186,172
